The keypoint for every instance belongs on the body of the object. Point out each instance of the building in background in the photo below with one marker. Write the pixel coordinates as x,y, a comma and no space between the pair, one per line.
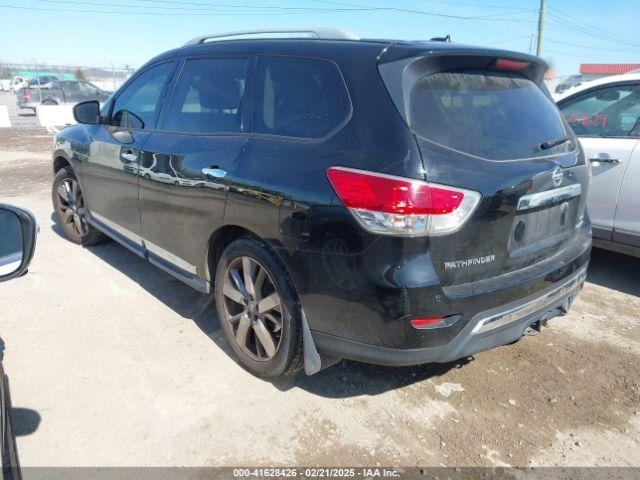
599,70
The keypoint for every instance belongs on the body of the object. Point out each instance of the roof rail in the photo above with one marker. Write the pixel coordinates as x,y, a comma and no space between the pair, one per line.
325,33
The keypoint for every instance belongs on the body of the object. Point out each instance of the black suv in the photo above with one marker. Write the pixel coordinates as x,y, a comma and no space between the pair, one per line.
385,201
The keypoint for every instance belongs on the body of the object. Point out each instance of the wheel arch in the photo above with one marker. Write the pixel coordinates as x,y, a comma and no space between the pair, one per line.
223,236
218,241
59,162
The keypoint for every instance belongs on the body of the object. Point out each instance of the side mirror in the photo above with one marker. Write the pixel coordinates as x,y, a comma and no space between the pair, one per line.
87,112
18,230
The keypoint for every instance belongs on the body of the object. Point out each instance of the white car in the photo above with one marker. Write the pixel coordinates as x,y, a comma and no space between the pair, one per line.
17,83
605,115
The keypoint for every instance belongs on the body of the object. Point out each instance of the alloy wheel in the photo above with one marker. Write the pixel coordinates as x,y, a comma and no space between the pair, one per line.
71,204
253,308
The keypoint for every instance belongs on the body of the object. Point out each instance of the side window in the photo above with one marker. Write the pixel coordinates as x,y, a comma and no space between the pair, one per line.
299,97
138,104
86,87
605,112
208,96
70,86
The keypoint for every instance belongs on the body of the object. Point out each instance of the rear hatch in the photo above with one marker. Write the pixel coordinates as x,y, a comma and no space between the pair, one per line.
484,122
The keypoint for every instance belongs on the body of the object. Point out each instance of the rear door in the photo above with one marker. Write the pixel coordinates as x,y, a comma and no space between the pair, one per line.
485,124
186,167
109,170
604,119
626,227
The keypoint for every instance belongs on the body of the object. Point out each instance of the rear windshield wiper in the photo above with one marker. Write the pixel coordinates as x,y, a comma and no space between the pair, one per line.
553,143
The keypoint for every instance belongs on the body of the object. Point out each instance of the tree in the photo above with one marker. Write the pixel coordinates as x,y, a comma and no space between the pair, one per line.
5,73
79,74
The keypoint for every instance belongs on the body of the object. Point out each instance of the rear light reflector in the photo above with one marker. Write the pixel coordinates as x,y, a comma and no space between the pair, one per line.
390,205
25,95
504,64
424,322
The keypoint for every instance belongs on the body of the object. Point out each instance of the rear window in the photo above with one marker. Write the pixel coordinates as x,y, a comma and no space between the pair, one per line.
299,97
493,115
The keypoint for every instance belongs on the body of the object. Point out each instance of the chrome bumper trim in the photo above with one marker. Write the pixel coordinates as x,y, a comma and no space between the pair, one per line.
535,200
503,318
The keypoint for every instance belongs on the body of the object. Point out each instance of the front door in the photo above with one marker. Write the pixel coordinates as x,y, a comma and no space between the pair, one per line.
604,119
109,173
187,165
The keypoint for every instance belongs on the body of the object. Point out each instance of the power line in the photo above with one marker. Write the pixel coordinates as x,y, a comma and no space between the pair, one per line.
587,26
262,12
422,12
590,47
208,6
578,28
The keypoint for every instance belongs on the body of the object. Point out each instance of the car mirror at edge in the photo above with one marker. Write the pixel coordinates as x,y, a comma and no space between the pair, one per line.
18,231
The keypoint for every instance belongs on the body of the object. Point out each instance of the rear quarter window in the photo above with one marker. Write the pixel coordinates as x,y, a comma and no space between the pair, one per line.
493,115
299,97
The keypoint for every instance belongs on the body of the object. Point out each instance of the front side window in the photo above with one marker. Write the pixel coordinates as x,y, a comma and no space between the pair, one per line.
209,96
493,115
606,112
138,104
70,86
88,88
299,97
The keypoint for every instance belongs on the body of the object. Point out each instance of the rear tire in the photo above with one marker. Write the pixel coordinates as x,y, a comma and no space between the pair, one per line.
70,210
258,309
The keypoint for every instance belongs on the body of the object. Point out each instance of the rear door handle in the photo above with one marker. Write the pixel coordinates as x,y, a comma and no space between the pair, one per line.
612,161
213,173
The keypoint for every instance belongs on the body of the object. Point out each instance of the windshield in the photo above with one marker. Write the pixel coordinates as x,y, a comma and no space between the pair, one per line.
493,115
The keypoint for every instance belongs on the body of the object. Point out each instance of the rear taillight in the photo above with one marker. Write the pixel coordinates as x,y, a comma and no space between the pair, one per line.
25,96
390,205
505,64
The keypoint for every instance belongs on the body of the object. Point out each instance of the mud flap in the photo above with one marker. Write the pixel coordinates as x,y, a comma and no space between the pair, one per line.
313,361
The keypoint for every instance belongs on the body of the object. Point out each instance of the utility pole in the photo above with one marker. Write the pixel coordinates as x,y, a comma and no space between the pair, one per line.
543,7
38,80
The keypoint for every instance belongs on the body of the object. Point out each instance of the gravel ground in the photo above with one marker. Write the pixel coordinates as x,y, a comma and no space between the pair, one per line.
115,363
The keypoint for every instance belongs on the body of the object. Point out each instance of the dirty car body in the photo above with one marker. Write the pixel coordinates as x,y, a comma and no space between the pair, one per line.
504,246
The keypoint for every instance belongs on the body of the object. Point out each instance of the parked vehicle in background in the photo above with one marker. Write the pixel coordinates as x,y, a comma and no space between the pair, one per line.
605,114
42,81
574,81
376,200
60,92
17,83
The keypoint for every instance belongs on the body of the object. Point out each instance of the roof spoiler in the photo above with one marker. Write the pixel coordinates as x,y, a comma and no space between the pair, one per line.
401,66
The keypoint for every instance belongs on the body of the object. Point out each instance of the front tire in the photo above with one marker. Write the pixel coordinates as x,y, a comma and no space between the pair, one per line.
257,309
70,209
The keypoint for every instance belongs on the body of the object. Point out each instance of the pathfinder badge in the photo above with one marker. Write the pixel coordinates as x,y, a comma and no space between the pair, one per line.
470,262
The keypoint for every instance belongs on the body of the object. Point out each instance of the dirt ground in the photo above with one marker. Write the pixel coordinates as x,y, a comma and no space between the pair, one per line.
114,363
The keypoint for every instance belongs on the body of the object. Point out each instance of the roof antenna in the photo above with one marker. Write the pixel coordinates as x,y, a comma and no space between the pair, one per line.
441,39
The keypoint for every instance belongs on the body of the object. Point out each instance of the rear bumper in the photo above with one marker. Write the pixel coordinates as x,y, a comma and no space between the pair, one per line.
485,330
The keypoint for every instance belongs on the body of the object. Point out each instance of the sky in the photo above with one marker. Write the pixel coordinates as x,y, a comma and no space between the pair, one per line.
129,32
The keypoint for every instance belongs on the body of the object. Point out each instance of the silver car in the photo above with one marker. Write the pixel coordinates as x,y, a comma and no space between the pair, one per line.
605,115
